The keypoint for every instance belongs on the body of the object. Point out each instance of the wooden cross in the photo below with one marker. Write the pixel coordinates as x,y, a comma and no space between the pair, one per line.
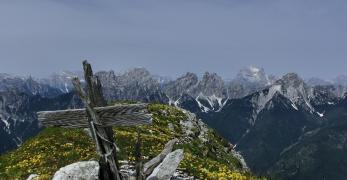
100,119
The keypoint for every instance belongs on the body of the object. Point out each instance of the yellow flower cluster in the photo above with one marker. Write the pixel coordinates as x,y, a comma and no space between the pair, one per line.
209,169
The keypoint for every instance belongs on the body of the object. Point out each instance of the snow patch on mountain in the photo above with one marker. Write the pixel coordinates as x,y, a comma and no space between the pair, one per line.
320,114
7,125
295,107
214,103
66,88
175,103
202,107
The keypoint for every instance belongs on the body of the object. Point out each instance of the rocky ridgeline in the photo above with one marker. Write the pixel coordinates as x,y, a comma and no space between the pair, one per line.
210,92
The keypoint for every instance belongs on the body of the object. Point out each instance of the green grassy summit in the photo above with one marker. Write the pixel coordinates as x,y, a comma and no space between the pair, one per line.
206,154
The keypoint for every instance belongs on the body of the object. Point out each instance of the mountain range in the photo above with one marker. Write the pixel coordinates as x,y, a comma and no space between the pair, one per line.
285,127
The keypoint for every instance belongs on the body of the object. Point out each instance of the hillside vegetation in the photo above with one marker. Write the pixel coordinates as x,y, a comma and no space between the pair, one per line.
206,154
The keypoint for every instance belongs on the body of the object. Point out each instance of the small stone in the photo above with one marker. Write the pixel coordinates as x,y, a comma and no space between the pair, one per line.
87,130
171,127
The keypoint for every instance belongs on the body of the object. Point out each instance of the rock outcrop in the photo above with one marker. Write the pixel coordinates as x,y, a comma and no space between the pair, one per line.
167,168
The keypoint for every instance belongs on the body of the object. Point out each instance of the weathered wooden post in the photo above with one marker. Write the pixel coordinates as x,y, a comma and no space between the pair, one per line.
138,157
103,136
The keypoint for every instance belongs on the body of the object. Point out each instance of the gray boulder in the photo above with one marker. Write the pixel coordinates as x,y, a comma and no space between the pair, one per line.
86,170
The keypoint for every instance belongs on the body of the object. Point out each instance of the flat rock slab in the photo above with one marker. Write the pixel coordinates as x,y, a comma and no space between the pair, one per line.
86,170
167,168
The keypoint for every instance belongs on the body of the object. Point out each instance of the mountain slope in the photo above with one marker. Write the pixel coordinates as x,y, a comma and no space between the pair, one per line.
318,154
276,128
207,155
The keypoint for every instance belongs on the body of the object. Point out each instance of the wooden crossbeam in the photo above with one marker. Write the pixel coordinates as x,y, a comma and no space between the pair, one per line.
118,115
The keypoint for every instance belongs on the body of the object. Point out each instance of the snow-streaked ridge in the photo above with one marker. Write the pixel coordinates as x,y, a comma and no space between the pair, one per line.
264,98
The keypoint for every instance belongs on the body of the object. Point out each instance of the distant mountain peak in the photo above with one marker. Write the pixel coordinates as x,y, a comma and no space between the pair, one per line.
253,74
211,78
341,80
296,90
255,69
189,75
138,72
210,74
314,81
184,84
249,80
291,79
211,84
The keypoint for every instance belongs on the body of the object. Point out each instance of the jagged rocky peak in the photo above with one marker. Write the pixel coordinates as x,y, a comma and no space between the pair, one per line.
291,79
324,90
211,85
189,77
301,95
62,80
4,76
137,73
328,94
26,84
136,84
136,76
139,76
292,87
298,92
211,92
184,84
106,76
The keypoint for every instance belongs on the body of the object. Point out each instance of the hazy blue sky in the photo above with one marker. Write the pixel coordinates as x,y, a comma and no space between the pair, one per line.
170,37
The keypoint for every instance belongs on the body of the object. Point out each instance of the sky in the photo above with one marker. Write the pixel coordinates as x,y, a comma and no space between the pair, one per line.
171,37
